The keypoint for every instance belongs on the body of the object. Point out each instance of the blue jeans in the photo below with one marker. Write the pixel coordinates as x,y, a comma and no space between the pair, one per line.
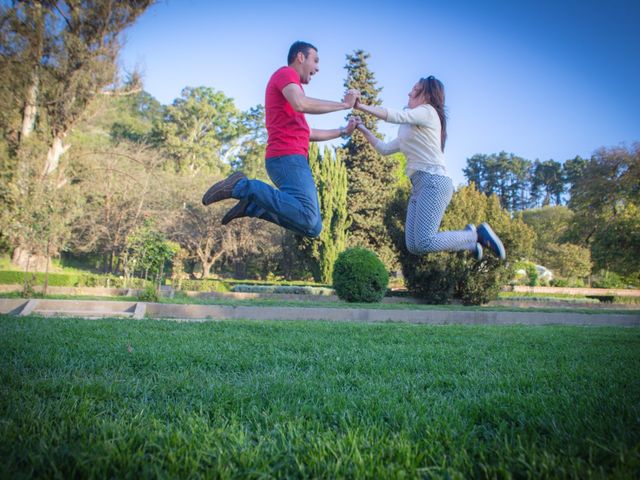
293,204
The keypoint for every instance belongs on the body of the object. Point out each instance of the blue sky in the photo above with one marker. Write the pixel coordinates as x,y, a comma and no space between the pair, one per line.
543,80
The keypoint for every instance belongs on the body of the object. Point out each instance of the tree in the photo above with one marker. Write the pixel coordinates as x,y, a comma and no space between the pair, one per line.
552,248
133,117
548,178
198,230
505,175
551,225
617,247
369,174
572,172
199,129
195,227
39,221
567,260
119,186
330,175
60,56
73,48
147,253
248,154
605,199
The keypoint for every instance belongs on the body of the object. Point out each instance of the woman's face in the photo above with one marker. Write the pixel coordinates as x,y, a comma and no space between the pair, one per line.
416,98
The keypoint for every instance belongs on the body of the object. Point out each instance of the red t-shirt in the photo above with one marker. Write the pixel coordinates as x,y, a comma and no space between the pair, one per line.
288,131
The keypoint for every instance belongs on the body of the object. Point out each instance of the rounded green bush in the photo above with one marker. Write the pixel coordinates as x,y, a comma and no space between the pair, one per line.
359,276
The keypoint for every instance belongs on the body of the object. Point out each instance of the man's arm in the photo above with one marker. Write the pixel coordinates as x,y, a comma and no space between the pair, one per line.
317,135
303,104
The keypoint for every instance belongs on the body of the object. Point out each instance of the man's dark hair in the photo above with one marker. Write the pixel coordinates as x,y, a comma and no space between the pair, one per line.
297,47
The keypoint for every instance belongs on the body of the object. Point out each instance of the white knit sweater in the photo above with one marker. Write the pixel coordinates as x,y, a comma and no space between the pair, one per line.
418,138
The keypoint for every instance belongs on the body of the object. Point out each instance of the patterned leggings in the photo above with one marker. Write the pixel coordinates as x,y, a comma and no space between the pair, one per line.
429,199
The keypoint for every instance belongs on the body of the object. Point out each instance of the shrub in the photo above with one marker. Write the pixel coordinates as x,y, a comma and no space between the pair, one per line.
576,283
359,276
295,283
626,300
438,278
11,277
560,282
149,294
27,289
607,279
71,280
299,290
206,285
532,274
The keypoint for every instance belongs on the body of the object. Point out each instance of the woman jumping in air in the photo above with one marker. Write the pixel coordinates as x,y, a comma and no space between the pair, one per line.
421,137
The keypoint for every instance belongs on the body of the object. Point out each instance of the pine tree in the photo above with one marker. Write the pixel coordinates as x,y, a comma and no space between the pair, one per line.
371,176
330,175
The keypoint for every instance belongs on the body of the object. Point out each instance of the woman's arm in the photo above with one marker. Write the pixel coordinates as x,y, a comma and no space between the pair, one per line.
381,147
379,112
420,115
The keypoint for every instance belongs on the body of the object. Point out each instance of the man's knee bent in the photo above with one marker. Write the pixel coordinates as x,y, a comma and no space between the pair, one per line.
311,224
314,231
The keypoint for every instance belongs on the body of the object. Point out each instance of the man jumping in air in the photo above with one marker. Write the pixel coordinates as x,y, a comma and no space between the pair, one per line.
293,204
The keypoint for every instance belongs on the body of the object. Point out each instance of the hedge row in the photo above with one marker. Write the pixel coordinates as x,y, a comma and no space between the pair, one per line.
8,277
283,289
207,285
293,283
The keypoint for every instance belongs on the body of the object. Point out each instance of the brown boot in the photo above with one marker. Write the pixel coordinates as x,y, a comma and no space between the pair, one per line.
239,210
222,190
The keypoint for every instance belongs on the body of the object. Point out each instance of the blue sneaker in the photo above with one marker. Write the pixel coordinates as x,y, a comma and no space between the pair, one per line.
488,238
478,252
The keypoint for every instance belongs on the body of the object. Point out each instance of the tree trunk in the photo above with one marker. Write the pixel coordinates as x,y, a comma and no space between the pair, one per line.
206,268
37,42
30,110
24,259
26,279
46,273
56,150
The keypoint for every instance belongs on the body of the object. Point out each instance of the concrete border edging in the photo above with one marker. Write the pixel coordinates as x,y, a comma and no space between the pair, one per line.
12,306
139,310
29,307
436,317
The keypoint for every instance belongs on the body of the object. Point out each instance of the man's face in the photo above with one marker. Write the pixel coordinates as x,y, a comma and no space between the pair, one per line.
309,66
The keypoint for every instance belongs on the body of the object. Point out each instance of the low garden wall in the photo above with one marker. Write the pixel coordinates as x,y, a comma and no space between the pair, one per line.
595,292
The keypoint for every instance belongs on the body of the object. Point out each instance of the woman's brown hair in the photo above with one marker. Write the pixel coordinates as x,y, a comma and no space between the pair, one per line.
433,91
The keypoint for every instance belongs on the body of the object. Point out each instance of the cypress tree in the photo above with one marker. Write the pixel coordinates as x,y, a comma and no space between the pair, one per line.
372,177
330,175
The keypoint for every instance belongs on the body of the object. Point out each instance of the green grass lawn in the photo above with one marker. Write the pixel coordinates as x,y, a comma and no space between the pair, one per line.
132,399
